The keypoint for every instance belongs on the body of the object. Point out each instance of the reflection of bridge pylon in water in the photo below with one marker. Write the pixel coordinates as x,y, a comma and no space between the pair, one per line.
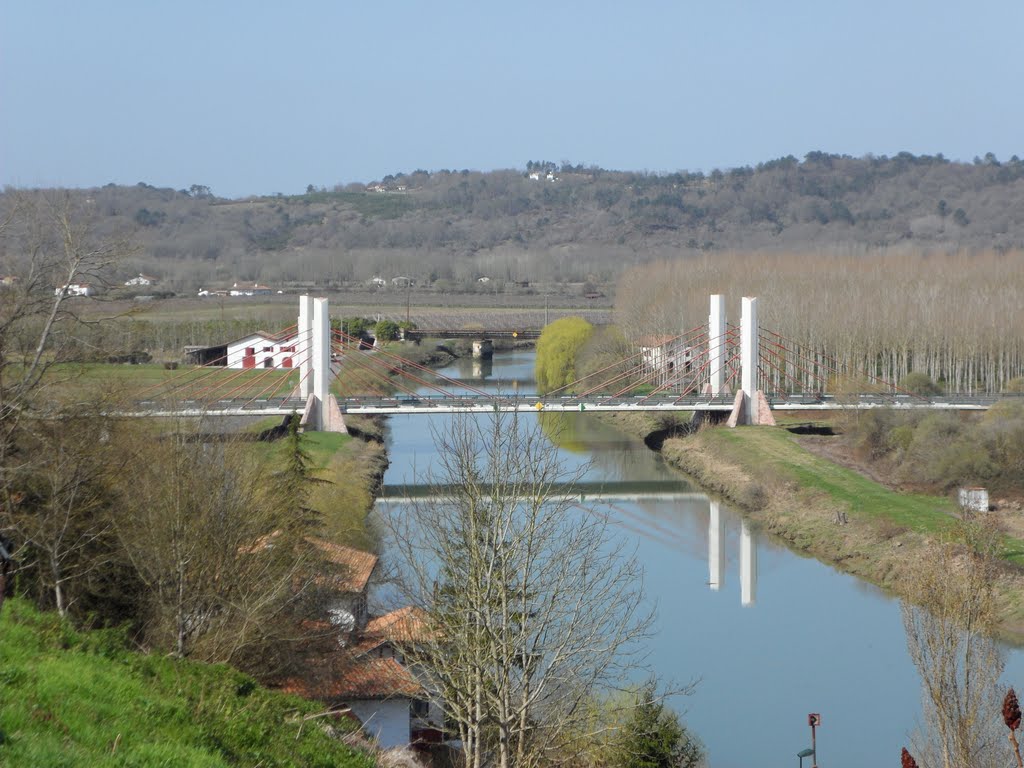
716,556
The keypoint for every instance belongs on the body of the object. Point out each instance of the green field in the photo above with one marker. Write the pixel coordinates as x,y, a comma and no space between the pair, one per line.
81,699
154,382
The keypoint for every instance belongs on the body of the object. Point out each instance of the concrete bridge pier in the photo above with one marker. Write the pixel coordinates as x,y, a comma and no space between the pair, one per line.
483,349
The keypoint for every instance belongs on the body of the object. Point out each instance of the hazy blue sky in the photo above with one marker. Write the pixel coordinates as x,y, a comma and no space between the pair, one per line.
264,97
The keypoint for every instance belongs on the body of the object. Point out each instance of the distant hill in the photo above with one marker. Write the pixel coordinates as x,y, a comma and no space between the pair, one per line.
560,223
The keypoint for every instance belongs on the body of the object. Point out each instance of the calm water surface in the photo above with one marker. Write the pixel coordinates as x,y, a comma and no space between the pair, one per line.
806,638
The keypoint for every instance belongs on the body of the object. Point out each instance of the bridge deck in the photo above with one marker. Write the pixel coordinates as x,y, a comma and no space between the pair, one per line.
426,404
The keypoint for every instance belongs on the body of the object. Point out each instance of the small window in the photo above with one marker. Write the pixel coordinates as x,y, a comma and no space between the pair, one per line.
420,708
268,349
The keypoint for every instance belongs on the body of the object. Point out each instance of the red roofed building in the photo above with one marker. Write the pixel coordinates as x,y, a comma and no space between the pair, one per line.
348,608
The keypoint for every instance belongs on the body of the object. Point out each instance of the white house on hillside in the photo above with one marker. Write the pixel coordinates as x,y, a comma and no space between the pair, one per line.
142,280
250,290
75,289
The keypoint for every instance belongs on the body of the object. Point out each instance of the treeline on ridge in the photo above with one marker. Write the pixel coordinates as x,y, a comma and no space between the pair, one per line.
556,223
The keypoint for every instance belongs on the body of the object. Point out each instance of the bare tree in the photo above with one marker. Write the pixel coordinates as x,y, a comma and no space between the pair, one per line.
533,605
61,521
949,620
219,551
53,236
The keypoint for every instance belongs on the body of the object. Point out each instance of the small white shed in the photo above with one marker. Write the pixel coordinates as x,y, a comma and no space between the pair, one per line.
974,499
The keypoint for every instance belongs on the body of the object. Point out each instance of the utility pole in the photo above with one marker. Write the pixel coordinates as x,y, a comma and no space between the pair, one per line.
814,720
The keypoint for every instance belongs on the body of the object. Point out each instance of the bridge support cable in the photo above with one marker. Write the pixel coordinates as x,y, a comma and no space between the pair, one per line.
246,384
649,378
218,382
835,368
366,363
571,385
636,370
784,366
404,364
684,373
274,388
678,378
695,385
380,378
370,381
796,360
658,369
189,385
187,376
364,377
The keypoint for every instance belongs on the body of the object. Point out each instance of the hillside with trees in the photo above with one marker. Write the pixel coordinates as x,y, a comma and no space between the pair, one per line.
551,223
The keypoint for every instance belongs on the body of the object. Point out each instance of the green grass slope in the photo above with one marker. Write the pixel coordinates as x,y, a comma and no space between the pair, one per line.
80,699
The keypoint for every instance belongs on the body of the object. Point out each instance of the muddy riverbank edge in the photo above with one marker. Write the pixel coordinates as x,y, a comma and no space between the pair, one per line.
757,471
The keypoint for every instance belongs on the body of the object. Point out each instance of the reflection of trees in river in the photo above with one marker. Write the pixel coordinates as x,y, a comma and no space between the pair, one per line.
615,456
563,432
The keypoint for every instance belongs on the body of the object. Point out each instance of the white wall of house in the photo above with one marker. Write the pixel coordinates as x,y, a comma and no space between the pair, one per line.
387,721
75,289
668,360
256,350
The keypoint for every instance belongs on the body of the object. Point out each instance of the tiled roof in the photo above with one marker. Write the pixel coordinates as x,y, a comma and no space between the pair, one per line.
365,679
405,625
358,565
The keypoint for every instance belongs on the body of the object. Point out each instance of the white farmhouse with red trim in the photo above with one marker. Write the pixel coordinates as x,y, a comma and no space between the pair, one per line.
266,350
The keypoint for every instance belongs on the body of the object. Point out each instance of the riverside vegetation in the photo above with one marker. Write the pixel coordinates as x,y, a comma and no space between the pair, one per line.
155,538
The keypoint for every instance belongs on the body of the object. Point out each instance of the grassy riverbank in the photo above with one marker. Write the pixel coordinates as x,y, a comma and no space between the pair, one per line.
830,512
72,698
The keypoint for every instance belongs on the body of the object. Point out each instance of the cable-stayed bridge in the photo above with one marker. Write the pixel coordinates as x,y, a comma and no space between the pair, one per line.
745,373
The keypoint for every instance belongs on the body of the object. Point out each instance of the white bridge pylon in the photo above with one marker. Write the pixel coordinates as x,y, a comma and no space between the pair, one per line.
750,405
322,413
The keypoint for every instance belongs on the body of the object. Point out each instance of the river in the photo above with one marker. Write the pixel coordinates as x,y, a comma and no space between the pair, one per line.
795,637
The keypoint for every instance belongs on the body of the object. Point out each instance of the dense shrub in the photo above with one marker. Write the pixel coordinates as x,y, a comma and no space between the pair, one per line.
946,450
386,330
919,383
